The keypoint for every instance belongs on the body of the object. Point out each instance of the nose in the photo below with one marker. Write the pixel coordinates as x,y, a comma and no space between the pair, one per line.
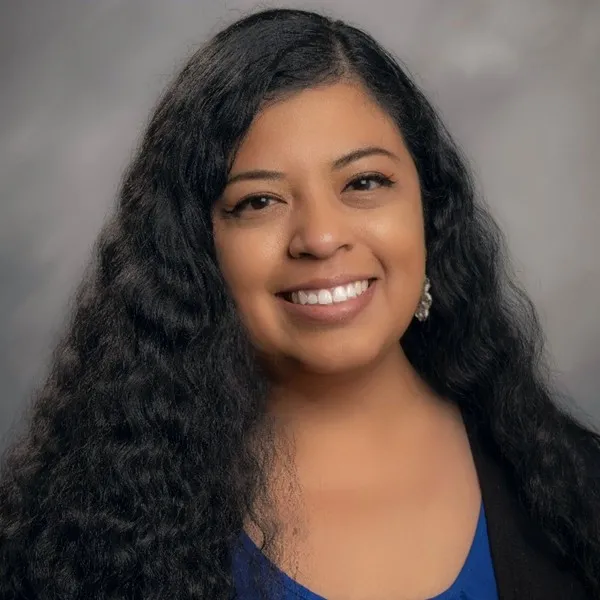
320,229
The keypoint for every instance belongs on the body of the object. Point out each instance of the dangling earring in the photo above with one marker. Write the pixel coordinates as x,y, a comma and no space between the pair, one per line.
425,302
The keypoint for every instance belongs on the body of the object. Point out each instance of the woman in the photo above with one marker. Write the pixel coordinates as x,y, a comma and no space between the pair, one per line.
297,368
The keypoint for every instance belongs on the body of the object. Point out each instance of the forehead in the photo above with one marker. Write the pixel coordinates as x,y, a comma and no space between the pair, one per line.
317,124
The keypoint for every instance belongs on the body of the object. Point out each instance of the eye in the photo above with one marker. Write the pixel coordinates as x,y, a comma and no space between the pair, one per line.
363,183
251,204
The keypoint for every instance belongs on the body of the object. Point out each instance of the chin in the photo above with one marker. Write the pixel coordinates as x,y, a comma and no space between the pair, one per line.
338,361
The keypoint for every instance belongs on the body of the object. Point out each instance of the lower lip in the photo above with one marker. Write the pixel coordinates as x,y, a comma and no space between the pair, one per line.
335,313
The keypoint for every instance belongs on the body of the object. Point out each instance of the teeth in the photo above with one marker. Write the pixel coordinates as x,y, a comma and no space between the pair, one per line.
335,295
340,294
325,297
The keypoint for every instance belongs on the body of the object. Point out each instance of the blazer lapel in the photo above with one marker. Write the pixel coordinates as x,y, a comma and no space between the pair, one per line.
523,567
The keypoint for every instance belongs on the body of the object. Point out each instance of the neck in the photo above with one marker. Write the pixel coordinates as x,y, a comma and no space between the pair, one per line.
357,413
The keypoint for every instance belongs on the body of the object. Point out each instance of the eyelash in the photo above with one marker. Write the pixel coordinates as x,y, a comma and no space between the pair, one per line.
382,180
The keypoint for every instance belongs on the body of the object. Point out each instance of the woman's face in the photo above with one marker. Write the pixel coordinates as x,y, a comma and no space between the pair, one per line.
319,232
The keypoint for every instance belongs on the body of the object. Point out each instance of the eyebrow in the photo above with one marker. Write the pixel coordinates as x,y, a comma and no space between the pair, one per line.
337,164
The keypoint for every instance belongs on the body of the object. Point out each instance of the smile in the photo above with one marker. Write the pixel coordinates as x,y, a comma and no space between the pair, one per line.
325,296
336,305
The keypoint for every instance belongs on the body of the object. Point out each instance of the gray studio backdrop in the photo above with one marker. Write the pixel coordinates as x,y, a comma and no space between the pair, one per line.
518,82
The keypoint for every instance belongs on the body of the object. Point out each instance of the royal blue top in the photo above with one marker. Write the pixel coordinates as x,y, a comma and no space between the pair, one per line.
476,580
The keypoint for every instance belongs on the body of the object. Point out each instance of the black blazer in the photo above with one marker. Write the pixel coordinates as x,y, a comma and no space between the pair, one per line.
523,566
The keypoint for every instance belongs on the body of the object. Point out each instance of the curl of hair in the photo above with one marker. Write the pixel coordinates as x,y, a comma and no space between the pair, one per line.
148,445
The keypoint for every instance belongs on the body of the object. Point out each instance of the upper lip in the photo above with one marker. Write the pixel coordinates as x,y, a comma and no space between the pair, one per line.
325,283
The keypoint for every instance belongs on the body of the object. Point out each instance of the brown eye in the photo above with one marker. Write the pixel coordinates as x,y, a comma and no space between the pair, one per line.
258,202
252,203
367,183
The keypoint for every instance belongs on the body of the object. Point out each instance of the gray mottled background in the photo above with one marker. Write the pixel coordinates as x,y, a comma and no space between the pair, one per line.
518,82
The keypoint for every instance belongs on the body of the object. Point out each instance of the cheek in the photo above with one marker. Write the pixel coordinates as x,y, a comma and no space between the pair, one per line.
399,243
245,257
248,259
400,238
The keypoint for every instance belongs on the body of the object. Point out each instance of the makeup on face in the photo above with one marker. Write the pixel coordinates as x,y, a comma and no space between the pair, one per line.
319,232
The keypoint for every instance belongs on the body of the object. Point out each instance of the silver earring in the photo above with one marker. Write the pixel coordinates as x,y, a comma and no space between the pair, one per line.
425,302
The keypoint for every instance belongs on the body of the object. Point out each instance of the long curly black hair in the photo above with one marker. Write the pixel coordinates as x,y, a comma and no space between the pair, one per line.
147,445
